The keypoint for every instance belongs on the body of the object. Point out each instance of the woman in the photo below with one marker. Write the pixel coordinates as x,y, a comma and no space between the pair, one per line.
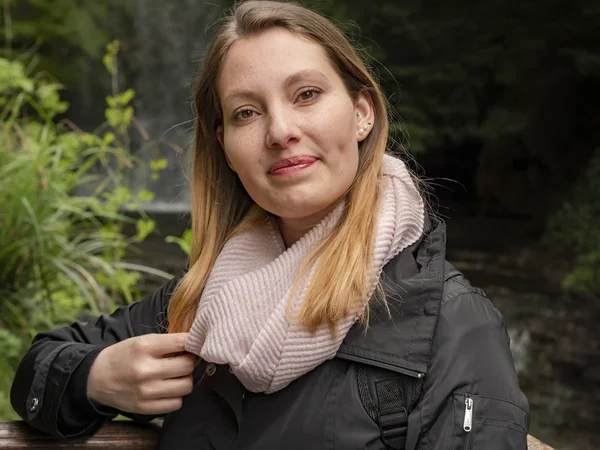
318,310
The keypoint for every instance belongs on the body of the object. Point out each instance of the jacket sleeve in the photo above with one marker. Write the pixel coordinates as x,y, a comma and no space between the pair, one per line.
471,396
49,391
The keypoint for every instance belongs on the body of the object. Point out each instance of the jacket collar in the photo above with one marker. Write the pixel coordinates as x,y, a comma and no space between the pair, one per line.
400,338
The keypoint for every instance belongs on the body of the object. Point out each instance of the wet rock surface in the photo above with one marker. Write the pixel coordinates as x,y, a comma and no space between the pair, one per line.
555,336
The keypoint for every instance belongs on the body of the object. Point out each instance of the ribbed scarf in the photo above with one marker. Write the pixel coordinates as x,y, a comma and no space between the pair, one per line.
242,315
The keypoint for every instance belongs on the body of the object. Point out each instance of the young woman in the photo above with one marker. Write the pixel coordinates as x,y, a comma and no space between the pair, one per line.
318,310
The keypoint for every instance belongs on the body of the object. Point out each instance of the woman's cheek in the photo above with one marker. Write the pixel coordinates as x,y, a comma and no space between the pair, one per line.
232,146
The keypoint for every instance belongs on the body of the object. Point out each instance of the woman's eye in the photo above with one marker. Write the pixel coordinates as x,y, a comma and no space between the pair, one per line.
309,94
244,114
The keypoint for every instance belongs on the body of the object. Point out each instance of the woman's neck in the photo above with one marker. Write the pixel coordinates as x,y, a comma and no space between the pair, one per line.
292,229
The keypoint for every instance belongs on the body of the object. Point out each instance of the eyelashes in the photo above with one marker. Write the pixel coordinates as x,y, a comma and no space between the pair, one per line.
243,114
306,95
310,90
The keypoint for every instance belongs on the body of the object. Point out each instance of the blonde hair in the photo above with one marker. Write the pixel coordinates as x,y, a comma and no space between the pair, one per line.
221,206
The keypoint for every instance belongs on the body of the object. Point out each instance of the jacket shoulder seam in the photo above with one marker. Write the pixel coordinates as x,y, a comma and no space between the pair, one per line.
462,294
452,292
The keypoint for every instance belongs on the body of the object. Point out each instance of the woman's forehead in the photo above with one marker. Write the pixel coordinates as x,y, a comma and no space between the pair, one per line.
273,58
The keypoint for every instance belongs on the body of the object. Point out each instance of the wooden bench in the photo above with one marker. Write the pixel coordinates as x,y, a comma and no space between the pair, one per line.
121,435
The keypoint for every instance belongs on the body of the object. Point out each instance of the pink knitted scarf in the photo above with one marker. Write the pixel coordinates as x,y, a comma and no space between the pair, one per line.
242,315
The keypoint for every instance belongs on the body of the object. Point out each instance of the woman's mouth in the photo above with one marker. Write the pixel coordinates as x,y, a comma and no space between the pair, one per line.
291,165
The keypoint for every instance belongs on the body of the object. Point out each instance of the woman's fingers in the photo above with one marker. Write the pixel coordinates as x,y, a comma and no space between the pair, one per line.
177,366
172,388
148,374
159,345
160,406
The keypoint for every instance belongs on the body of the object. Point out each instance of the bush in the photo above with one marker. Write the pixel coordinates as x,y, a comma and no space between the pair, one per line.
62,253
574,229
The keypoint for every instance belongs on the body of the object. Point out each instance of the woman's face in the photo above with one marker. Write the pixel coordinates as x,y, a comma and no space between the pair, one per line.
290,129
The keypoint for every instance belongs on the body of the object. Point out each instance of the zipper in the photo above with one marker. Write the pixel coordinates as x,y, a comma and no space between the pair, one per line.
468,423
468,420
382,365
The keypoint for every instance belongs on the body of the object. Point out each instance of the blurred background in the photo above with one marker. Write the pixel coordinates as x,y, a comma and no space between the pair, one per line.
496,101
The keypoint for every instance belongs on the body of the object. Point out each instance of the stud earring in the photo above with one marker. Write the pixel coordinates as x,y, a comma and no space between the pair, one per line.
362,130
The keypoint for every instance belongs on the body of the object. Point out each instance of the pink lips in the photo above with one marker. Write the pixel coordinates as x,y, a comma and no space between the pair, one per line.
291,165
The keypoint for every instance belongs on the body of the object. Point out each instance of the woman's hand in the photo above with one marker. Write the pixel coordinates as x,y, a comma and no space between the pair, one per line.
147,374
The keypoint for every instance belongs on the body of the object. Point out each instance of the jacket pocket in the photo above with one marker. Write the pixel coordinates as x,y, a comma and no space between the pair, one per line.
482,422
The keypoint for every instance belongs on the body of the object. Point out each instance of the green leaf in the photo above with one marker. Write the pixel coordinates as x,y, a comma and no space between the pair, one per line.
145,269
26,85
107,60
89,139
127,116
124,98
184,242
108,138
114,117
112,101
113,47
158,164
144,227
145,196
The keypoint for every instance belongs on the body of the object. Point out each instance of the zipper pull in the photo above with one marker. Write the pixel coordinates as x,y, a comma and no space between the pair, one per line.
468,423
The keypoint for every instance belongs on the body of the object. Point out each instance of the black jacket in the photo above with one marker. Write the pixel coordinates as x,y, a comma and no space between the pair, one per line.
413,380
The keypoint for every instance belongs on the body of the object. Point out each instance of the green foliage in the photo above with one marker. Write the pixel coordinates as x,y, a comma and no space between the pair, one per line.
67,37
62,227
184,242
574,230
68,22
456,71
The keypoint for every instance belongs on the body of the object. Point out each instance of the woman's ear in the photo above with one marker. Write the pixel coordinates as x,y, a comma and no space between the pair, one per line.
220,139
365,115
220,136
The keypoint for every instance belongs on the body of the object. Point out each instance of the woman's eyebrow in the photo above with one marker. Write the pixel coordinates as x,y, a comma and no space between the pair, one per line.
243,94
300,75
239,94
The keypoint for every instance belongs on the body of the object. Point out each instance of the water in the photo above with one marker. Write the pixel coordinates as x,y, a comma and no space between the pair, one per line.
170,39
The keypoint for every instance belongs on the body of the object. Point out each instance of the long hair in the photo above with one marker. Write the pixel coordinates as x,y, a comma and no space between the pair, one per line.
221,206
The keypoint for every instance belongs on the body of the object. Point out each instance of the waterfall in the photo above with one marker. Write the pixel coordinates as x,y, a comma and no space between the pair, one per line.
170,39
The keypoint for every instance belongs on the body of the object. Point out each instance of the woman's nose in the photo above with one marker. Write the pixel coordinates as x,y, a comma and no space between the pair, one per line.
282,129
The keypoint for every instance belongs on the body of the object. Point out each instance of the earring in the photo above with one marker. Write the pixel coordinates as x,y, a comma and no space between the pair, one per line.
362,130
